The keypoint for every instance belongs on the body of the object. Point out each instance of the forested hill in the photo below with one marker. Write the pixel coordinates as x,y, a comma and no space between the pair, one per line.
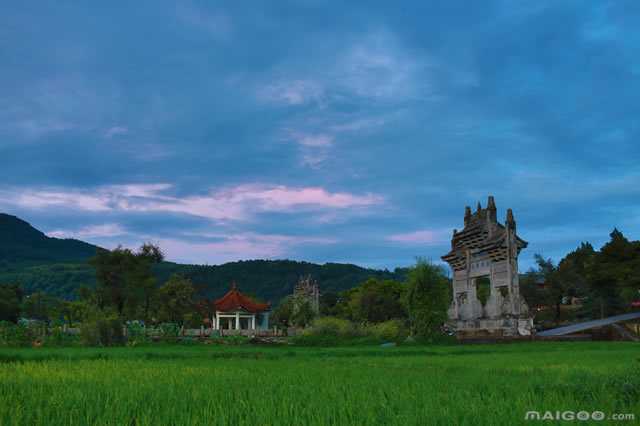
59,267
22,243
270,280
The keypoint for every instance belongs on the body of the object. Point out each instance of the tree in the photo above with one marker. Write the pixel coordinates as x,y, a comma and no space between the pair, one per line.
328,303
555,290
377,301
175,299
282,314
125,280
302,314
10,298
427,299
41,306
614,275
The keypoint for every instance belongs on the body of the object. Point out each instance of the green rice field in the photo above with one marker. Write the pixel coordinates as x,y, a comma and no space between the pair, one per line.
253,385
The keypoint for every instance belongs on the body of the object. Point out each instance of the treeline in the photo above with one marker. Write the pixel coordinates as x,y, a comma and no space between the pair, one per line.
391,309
605,282
270,279
126,289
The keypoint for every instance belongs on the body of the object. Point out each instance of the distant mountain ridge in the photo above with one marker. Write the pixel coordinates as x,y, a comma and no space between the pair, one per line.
59,267
20,242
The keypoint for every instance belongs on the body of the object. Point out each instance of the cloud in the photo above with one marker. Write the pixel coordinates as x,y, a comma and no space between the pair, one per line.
233,247
421,237
315,140
93,231
116,131
235,203
379,67
292,92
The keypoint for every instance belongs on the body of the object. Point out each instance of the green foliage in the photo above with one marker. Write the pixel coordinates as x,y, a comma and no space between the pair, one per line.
57,337
169,330
13,335
483,289
43,307
175,299
125,280
302,314
375,301
607,280
427,300
102,328
282,314
10,299
389,331
136,334
233,340
332,327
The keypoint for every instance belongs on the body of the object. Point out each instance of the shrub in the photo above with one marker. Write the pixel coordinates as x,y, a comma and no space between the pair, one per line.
169,330
102,330
58,337
13,335
388,331
136,333
331,326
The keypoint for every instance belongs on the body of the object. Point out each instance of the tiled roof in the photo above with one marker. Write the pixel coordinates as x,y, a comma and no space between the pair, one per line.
236,301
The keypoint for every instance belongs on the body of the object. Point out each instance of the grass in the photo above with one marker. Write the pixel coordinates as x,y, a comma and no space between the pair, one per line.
249,385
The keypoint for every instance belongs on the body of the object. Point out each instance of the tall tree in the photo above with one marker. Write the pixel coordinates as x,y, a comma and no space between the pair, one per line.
377,301
175,299
125,279
614,275
427,299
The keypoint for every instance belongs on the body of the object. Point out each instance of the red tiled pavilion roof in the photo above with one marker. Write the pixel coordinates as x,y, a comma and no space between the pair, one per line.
236,301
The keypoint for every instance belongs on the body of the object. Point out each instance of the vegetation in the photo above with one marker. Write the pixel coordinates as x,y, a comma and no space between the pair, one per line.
60,267
21,243
428,300
245,385
604,282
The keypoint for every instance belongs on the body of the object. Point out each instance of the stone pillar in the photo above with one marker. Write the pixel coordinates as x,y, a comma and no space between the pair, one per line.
237,320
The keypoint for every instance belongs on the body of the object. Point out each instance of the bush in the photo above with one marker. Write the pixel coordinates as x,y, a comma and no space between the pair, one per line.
102,331
388,331
15,334
136,333
332,327
58,337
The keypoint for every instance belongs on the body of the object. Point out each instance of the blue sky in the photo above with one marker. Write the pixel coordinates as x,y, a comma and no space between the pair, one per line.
320,131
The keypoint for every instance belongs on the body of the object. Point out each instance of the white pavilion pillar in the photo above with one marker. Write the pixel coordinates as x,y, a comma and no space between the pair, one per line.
217,321
253,321
237,320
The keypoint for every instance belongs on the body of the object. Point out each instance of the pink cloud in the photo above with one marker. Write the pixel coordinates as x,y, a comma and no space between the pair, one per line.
425,236
93,231
236,247
235,203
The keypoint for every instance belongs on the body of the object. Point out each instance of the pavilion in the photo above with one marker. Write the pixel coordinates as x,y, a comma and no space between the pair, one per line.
235,311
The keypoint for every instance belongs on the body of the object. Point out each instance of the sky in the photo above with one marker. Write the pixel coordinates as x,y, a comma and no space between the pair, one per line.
320,131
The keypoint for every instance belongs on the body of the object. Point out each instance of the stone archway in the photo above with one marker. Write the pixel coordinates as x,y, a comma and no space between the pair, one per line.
484,260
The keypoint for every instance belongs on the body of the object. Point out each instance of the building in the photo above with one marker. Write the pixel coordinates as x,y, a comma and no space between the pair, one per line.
235,311
486,292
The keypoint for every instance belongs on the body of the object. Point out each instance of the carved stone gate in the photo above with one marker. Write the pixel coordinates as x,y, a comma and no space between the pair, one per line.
486,249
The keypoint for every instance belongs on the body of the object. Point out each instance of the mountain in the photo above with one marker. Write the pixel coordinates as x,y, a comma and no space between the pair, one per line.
59,267
22,243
